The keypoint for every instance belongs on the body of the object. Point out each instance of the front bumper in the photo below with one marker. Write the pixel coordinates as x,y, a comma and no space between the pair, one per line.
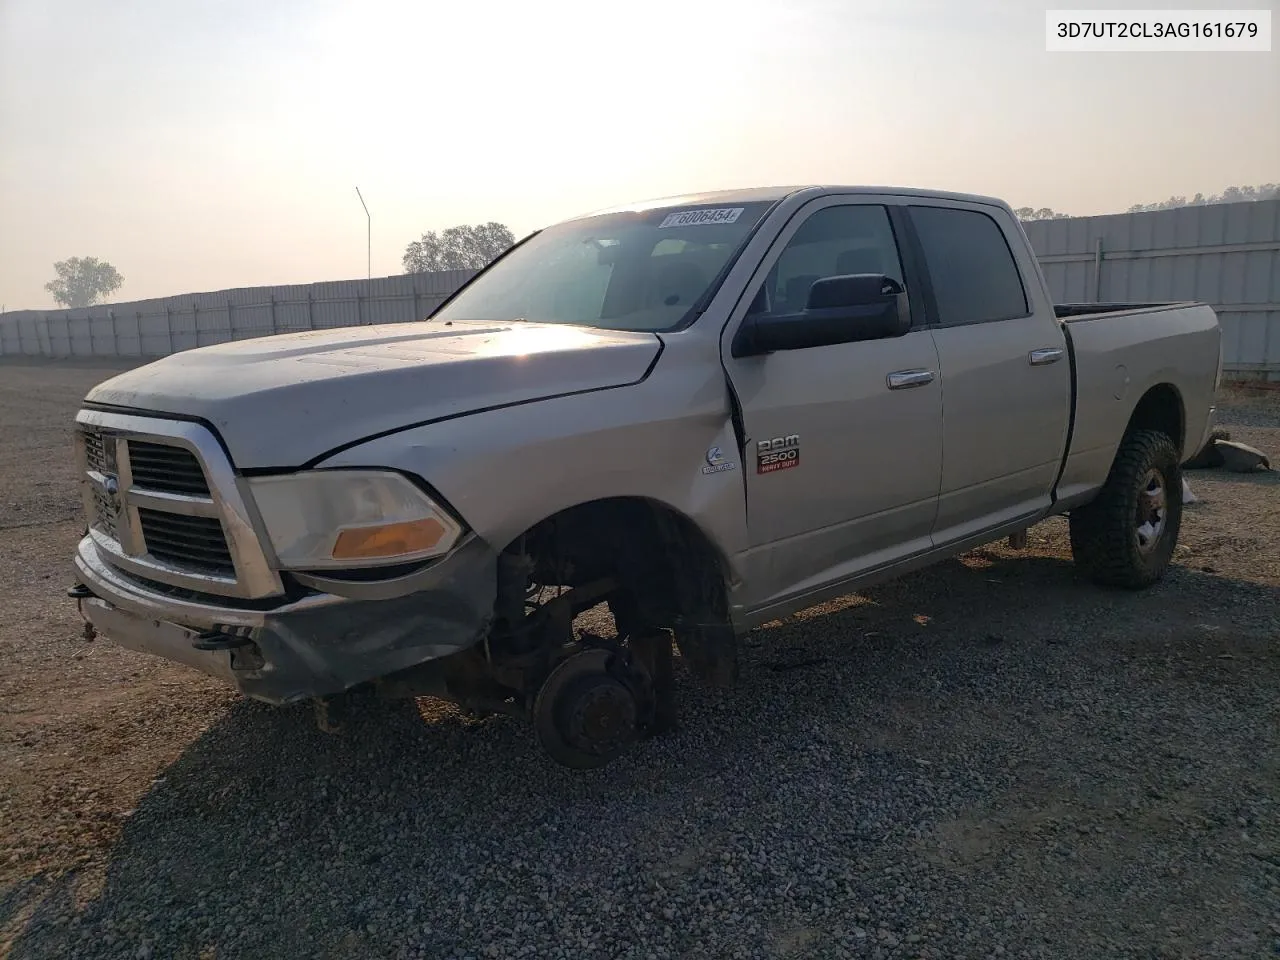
317,646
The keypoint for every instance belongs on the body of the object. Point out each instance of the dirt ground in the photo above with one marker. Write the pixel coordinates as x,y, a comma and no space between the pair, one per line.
1177,740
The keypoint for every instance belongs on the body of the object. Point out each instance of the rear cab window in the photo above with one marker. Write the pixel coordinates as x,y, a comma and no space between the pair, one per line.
970,264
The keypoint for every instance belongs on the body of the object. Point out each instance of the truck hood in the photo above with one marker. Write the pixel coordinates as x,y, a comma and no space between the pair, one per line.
282,401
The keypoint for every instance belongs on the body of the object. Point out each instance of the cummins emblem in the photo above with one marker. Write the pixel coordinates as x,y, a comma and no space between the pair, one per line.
716,463
780,453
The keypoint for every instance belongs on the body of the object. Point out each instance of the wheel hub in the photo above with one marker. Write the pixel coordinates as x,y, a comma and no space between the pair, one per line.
584,715
598,716
1151,511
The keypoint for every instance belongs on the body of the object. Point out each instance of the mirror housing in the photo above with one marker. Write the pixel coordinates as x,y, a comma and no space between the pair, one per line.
844,309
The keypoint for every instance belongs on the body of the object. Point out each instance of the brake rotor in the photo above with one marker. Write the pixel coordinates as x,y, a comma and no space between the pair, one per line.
583,715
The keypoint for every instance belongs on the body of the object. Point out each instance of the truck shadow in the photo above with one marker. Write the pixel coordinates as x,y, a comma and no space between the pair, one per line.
385,813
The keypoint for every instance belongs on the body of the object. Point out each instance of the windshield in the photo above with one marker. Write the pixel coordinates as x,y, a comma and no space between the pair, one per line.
620,271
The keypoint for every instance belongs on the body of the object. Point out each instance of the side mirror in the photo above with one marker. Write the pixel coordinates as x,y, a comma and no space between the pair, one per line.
844,309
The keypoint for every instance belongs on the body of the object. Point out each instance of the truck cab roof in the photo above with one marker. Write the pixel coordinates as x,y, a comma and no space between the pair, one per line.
768,194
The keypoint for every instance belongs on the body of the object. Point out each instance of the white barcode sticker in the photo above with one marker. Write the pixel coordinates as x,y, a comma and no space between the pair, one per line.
697,218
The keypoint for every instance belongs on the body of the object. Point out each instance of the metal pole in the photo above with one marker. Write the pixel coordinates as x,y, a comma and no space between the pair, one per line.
1097,272
368,234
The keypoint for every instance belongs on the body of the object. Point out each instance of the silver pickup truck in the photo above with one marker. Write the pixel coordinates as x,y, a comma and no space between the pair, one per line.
704,412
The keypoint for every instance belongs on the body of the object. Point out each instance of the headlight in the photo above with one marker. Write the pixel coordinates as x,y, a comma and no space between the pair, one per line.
350,518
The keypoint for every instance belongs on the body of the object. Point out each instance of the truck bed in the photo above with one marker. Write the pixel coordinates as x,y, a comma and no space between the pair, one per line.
1070,312
1118,353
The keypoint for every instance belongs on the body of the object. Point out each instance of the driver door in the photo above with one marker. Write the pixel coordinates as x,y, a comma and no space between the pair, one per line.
849,474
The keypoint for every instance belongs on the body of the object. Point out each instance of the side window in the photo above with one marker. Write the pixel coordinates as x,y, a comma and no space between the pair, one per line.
832,242
972,268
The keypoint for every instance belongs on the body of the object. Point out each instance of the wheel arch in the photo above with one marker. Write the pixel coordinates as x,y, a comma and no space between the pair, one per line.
1161,408
677,575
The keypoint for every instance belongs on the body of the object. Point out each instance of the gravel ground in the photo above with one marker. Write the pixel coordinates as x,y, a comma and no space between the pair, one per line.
987,759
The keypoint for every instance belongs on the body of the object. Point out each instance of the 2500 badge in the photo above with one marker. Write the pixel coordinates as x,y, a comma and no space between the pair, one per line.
780,453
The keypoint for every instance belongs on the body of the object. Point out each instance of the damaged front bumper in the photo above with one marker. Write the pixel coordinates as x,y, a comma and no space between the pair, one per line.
319,645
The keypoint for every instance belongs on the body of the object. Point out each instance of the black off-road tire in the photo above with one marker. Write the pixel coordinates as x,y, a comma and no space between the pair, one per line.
1106,534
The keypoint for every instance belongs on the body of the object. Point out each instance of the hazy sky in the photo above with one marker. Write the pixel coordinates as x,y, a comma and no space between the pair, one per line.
200,145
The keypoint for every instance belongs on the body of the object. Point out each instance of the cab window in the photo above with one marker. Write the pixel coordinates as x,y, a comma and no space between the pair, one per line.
834,241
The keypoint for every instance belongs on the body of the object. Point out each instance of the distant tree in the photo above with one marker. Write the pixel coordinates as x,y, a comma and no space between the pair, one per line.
459,248
1044,213
1264,191
83,281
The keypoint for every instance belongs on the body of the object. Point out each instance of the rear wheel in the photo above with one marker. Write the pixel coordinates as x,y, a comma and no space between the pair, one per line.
1126,536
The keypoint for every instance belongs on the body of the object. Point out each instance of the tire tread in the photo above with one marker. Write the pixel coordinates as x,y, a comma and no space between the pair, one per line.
1101,531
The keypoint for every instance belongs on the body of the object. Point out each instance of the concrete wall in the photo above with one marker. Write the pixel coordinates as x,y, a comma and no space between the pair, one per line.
156,328
1227,255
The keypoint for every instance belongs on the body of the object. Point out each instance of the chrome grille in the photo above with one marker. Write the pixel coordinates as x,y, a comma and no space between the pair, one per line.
164,505
196,542
96,452
104,514
168,469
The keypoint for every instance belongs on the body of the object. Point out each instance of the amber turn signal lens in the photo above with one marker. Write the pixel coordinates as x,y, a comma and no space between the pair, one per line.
392,540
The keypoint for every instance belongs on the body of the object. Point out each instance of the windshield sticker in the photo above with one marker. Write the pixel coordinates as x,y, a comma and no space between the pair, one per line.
698,218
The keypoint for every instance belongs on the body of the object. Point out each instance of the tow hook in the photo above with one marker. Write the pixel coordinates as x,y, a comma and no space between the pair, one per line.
217,640
80,592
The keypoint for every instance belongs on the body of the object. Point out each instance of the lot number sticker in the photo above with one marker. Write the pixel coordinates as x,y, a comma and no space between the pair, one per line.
698,218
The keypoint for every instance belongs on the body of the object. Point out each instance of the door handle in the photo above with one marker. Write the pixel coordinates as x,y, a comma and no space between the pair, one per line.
904,379
1045,355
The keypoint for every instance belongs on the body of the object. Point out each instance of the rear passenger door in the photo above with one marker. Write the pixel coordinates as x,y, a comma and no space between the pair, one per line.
1006,379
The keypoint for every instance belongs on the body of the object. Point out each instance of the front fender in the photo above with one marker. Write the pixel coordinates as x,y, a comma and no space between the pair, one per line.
503,471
